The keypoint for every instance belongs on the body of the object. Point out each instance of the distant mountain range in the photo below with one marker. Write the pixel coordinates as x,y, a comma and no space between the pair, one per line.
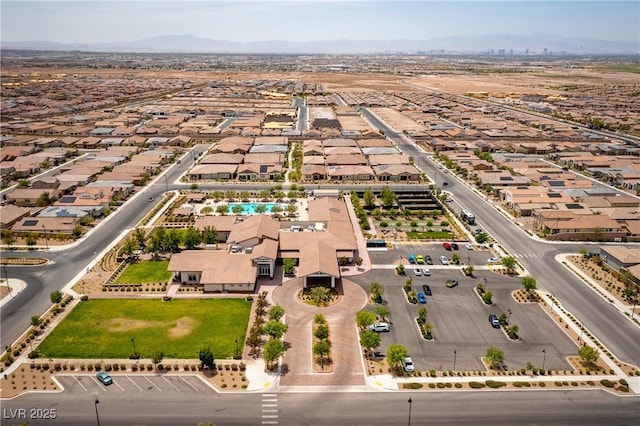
533,44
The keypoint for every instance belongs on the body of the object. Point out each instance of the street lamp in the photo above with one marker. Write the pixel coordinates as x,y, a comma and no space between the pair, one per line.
455,354
6,279
409,411
46,239
133,342
633,310
509,316
95,403
544,351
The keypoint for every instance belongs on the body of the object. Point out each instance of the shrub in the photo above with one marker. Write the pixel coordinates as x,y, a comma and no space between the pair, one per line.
440,385
607,383
623,388
542,384
458,385
432,385
623,382
591,383
432,373
558,383
476,385
447,385
494,384
413,386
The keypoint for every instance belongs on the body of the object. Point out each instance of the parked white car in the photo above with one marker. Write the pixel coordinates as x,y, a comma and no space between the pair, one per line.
444,260
407,364
380,326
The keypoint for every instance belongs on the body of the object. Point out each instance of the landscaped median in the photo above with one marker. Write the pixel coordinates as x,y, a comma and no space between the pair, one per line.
611,384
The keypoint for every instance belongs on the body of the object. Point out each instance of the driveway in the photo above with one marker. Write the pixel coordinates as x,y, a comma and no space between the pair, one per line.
346,353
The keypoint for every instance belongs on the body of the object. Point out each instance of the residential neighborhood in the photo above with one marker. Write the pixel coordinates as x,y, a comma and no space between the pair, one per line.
221,224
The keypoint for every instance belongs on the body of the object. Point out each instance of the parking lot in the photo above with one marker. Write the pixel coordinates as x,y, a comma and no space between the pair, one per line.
461,326
129,383
478,256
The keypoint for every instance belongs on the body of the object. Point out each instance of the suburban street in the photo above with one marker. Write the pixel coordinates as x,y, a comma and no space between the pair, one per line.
117,406
609,325
559,407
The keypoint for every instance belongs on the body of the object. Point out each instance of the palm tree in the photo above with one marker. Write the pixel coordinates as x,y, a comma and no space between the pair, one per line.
377,290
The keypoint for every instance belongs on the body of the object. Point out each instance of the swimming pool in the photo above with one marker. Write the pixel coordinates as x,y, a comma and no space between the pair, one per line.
250,208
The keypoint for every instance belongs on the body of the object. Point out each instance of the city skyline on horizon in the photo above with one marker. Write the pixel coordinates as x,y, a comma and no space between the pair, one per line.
262,21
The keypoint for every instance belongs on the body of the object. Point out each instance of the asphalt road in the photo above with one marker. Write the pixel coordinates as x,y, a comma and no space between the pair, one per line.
64,265
557,407
610,326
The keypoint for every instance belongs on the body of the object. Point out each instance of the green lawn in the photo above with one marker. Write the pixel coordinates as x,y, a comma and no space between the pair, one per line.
146,271
179,328
433,235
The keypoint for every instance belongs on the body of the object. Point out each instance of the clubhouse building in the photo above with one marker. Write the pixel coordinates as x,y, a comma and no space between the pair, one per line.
255,244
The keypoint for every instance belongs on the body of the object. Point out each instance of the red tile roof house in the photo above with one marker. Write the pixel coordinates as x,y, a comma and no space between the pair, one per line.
620,257
47,225
92,200
584,228
354,173
213,172
248,172
397,173
222,158
314,172
30,196
10,214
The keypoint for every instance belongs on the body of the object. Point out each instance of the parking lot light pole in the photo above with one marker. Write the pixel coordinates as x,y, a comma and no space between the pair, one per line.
544,351
96,402
409,411
133,342
455,353
509,316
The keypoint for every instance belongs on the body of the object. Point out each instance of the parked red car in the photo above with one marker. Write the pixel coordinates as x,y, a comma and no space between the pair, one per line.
447,246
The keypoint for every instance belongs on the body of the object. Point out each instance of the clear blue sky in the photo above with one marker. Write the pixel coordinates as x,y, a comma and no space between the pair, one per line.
107,21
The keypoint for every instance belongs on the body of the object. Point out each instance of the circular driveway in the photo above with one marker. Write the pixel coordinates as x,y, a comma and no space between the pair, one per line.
346,352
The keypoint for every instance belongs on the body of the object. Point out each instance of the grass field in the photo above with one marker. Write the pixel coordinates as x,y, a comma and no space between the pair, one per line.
179,328
146,271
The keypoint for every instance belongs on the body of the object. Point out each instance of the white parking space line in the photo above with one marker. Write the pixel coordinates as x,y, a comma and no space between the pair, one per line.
134,383
116,383
80,383
99,384
190,385
152,384
172,385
